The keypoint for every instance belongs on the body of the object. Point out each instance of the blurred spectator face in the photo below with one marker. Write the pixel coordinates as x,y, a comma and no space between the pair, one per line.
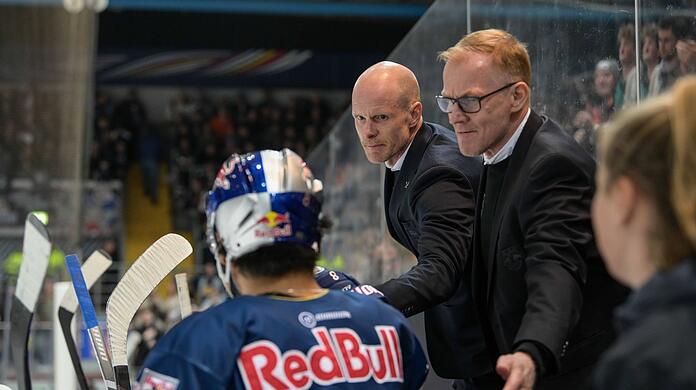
651,54
184,146
311,134
120,147
667,43
289,133
686,51
243,132
110,247
252,116
604,82
209,269
627,52
103,124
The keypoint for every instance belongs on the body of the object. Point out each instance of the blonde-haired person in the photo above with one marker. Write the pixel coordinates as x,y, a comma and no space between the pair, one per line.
644,213
543,295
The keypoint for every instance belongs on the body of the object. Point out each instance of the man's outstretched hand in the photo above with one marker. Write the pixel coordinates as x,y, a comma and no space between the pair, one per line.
518,371
337,280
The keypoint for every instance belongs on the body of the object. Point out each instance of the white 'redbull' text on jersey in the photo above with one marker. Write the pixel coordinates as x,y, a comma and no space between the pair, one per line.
335,339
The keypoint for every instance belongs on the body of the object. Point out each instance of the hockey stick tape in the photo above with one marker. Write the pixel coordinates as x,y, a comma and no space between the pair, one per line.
81,291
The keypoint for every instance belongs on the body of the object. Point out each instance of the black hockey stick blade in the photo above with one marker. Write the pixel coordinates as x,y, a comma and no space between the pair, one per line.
65,319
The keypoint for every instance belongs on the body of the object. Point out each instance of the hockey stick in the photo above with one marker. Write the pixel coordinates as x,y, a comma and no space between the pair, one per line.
93,268
35,252
182,291
90,317
135,285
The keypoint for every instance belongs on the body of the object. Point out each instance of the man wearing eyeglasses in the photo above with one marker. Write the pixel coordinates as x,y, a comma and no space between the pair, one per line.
541,291
429,191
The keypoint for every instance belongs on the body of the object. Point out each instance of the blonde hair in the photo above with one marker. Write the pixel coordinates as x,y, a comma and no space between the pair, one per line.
509,54
655,146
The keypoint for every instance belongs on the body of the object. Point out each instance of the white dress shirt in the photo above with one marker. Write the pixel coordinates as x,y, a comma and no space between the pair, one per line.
509,146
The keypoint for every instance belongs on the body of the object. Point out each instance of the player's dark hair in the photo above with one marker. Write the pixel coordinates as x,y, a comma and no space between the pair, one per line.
277,260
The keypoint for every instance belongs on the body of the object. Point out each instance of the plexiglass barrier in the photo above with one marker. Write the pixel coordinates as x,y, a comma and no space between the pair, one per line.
584,56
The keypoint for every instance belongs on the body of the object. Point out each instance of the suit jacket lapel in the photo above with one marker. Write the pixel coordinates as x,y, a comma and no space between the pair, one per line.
408,169
479,266
506,191
388,188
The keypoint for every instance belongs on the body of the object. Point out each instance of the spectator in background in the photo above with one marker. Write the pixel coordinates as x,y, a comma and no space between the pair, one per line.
644,213
651,51
130,114
627,59
168,305
110,149
686,46
147,328
598,105
650,57
221,124
149,148
667,71
208,287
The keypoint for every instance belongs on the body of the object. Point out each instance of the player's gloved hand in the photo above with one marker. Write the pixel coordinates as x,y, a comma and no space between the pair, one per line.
366,289
337,280
334,280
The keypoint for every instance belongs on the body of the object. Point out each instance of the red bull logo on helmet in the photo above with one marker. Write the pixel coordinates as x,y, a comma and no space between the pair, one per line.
274,225
339,357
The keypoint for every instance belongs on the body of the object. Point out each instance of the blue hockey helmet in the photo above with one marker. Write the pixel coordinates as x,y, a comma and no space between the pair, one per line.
259,199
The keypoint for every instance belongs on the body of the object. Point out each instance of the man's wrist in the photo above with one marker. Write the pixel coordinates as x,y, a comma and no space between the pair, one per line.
535,354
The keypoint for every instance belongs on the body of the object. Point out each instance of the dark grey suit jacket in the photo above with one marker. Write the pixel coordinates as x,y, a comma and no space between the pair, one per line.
430,211
544,282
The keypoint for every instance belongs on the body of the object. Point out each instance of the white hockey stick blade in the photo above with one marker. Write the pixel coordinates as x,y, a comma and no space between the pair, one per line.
90,317
182,291
92,269
36,250
35,254
136,284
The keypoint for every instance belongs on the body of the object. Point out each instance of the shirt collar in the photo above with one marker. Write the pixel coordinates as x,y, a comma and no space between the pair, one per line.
397,165
509,146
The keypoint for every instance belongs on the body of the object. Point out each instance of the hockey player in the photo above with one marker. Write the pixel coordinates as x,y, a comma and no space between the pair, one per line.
281,331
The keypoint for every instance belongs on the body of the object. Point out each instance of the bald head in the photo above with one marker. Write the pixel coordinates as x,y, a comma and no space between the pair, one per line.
387,111
390,81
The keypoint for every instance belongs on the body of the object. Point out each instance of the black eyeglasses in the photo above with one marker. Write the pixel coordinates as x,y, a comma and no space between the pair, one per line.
468,104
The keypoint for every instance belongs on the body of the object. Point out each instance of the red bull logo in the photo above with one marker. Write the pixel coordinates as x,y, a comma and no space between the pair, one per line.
339,357
275,224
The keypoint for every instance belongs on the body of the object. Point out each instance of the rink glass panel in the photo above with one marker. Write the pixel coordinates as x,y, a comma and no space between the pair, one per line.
565,40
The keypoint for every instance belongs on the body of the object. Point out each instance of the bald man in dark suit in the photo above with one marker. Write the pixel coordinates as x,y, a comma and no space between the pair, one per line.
429,192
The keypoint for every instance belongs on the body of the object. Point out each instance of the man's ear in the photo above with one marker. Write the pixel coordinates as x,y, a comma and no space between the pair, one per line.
416,113
520,96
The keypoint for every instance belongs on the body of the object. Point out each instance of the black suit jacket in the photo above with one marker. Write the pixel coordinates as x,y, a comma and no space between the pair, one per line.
544,282
430,211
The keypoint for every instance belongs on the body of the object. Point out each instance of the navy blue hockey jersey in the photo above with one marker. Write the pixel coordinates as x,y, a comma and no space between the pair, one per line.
334,339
